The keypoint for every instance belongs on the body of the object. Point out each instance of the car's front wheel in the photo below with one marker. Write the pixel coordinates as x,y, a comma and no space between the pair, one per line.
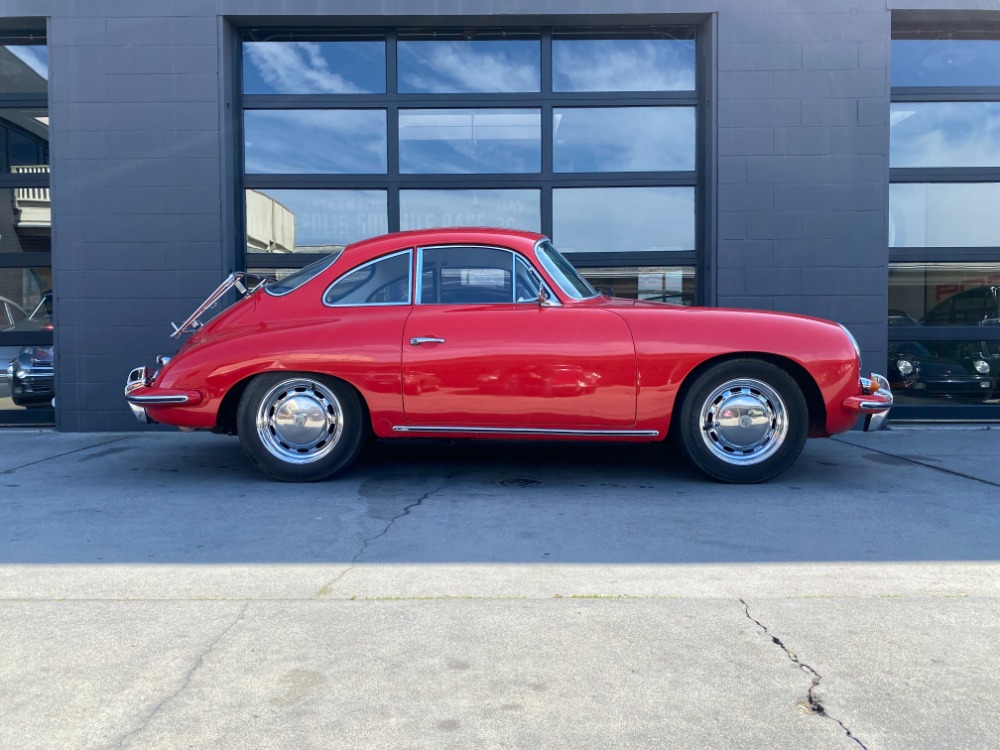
743,421
301,427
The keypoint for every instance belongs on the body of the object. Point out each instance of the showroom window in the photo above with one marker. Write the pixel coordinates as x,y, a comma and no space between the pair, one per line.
944,227
589,136
26,354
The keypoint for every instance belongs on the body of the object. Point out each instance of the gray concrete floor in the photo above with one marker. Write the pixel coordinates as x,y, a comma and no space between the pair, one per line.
157,592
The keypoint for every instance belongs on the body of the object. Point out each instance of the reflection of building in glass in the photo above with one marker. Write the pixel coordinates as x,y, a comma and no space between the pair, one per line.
270,226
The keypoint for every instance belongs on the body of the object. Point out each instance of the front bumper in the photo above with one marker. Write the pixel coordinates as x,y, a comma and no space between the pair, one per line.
140,393
874,401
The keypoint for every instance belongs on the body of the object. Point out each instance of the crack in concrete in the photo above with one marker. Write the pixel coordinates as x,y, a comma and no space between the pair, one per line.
328,586
60,455
812,702
943,469
184,683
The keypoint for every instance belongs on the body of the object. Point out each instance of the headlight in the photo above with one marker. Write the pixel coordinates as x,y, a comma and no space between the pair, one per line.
904,366
982,366
21,374
10,369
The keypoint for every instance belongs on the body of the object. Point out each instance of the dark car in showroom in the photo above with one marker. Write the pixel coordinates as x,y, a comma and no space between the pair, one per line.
31,372
32,376
958,371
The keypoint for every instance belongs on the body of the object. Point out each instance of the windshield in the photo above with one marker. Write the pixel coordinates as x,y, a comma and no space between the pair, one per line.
563,273
300,277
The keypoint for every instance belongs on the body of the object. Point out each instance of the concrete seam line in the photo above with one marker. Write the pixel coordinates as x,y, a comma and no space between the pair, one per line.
60,455
811,703
185,682
325,588
918,463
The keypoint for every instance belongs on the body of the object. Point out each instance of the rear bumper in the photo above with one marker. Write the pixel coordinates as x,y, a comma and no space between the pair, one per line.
874,401
139,393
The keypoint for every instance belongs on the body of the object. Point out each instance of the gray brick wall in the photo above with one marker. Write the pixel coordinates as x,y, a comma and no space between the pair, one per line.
803,100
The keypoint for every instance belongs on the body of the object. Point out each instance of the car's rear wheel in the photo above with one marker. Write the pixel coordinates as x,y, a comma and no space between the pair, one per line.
301,427
743,421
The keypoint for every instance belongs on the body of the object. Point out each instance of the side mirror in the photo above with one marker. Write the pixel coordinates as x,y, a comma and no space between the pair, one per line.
544,298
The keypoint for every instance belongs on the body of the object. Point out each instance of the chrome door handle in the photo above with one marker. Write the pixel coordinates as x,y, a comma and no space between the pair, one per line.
418,340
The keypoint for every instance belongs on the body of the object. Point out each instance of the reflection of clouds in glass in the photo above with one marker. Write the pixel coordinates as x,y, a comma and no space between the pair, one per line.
334,217
35,57
469,67
511,209
944,214
469,141
587,220
624,139
622,65
945,134
305,67
945,62
315,141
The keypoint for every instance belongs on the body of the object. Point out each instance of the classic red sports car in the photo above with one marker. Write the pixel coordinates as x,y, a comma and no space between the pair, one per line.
492,333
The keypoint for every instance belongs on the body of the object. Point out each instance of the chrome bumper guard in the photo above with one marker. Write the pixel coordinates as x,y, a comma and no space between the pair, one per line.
140,378
877,409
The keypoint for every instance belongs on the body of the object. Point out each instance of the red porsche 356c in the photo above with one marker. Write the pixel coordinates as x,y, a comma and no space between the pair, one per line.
465,333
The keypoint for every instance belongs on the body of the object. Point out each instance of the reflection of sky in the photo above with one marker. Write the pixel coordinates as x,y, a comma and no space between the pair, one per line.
946,62
512,209
624,139
34,56
945,134
465,67
334,217
944,214
313,67
622,65
310,141
464,141
587,220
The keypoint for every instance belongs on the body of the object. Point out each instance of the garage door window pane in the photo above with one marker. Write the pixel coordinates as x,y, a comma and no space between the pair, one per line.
312,221
922,294
623,139
469,67
944,214
511,209
622,64
944,373
945,134
946,62
314,67
674,284
635,219
464,141
306,141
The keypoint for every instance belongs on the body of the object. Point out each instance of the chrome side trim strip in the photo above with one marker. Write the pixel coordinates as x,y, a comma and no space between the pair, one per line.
529,431
157,399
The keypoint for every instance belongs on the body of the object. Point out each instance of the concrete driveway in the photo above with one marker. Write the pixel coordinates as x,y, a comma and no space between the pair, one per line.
156,592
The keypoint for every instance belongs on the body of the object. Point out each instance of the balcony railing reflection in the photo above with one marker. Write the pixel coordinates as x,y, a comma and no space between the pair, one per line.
33,205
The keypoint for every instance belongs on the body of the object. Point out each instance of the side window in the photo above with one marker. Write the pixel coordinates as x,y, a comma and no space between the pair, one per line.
385,281
466,275
526,282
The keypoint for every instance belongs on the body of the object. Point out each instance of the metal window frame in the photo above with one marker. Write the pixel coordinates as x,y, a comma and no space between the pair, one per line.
903,175
20,416
545,181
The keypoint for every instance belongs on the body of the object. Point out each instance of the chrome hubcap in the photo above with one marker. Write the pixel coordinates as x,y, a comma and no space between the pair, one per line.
299,420
744,421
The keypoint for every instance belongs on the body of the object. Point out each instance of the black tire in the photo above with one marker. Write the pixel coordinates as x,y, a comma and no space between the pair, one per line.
301,427
742,421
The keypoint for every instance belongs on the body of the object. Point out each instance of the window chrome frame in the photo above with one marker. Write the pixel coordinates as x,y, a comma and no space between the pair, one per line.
373,261
515,257
555,280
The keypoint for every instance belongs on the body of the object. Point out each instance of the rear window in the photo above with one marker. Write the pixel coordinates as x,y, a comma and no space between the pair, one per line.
300,277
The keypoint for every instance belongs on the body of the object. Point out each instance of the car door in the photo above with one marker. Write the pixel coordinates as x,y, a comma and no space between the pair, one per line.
480,350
